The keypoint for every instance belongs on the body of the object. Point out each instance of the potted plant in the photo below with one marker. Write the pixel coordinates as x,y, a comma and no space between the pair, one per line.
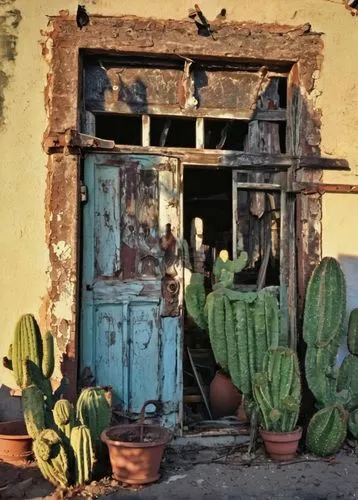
241,327
277,393
66,440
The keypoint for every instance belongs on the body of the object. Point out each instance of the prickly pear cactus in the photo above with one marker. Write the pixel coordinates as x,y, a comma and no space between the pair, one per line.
195,300
34,410
81,445
93,411
51,458
327,431
277,390
353,332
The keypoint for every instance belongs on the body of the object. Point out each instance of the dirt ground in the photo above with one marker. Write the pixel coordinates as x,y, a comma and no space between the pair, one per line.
210,474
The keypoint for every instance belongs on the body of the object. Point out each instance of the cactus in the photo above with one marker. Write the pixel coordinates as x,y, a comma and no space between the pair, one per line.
27,344
34,410
81,445
64,417
256,329
29,354
353,332
348,381
51,457
195,300
353,423
93,411
323,328
48,360
327,431
216,321
325,305
225,269
277,390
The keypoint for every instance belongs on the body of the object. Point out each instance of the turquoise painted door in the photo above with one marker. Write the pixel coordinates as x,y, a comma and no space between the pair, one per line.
130,339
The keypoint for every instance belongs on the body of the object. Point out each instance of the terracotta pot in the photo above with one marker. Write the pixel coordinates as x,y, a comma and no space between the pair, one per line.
225,398
281,445
136,461
15,443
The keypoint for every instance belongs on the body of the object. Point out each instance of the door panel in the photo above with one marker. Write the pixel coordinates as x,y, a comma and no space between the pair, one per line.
125,341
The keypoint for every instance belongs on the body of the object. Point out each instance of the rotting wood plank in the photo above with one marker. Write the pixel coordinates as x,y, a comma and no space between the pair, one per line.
207,157
321,188
119,107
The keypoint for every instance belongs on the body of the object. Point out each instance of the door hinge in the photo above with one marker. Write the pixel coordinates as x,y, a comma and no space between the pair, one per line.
84,193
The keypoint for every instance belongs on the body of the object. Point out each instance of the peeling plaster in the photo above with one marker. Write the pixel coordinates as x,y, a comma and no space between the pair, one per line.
62,250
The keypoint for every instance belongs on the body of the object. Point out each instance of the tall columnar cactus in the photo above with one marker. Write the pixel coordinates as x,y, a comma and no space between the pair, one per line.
31,356
327,431
51,457
195,300
216,305
64,417
256,330
93,411
81,445
353,332
277,390
347,382
353,423
323,328
34,410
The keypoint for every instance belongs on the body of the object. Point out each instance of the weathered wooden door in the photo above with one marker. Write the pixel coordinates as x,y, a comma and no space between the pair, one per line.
130,338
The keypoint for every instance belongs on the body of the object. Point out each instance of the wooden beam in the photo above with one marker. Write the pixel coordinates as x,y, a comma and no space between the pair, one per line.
119,107
321,188
200,133
145,130
74,139
190,156
258,186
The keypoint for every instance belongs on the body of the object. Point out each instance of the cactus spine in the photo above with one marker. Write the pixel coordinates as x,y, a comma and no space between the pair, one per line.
51,457
353,332
81,445
277,390
323,328
327,431
93,411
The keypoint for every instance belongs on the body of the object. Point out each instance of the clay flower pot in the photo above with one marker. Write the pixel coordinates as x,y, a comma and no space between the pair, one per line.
136,451
281,445
15,443
225,398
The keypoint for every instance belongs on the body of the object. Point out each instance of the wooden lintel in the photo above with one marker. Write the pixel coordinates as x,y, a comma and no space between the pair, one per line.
201,157
74,139
321,188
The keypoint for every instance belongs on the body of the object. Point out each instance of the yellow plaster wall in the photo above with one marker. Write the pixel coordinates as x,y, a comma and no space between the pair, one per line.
23,252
